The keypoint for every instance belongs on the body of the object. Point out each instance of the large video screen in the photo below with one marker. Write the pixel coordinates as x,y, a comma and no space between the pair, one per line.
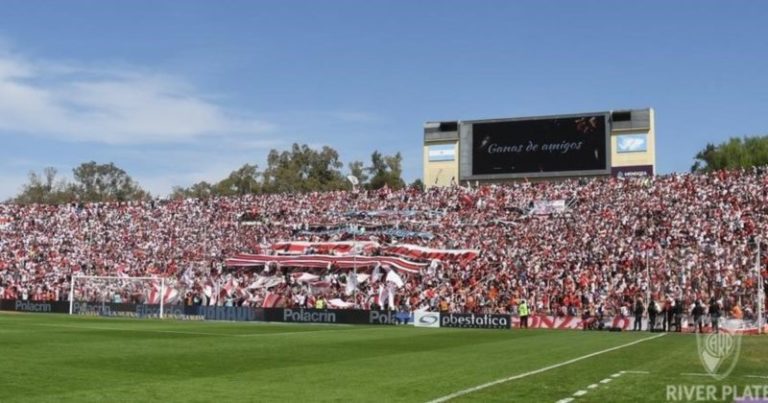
539,145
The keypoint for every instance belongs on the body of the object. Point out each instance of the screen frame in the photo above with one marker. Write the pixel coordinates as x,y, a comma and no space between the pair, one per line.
466,137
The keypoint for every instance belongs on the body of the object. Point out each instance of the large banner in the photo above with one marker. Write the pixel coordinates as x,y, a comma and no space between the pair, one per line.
574,322
34,306
345,316
472,321
231,313
619,323
543,145
133,310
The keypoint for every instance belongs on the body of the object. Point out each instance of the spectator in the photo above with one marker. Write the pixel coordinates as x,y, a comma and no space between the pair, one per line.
680,236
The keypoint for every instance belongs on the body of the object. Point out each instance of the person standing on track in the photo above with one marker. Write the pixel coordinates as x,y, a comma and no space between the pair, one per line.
698,313
668,314
679,315
522,310
714,314
638,310
652,312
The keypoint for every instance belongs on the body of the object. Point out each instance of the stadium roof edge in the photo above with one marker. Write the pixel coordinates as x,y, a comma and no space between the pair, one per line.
433,124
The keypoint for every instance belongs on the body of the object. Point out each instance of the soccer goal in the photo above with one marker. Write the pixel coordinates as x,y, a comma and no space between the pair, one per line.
120,296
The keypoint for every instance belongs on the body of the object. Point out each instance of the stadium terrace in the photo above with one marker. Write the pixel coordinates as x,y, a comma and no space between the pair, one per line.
603,244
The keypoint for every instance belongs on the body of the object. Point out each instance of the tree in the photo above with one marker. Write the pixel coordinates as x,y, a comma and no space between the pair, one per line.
303,169
200,190
386,171
357,170
105,182
417,184
325,170
45,189
734,153
242,181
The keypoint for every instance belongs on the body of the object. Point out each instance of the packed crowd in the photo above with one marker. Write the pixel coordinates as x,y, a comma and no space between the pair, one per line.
610,241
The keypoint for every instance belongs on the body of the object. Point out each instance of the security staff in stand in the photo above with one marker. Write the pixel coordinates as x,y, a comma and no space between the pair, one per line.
522,310
638,310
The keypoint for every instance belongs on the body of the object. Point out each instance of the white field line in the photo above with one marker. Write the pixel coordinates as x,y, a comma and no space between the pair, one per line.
121,329
693,374
756,376
540,370
606,380
566,400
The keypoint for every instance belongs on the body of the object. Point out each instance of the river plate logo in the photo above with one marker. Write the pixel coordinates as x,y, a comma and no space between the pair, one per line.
719,352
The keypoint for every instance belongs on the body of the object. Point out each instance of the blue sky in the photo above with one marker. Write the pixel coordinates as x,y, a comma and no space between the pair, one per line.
181,91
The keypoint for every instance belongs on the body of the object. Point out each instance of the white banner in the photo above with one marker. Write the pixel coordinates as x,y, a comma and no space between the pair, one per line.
426,319
546,207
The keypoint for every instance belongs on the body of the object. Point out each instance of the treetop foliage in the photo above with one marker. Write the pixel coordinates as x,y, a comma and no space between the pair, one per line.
93,182
302,169
737,152
298,169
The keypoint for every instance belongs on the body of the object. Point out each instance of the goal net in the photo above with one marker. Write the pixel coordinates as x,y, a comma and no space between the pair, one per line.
121,296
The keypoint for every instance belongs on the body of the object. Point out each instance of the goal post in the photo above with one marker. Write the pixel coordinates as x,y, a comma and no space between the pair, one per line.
103,289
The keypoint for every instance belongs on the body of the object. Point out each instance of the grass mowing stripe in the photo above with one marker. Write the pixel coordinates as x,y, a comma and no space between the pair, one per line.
540,370
122,329
119,329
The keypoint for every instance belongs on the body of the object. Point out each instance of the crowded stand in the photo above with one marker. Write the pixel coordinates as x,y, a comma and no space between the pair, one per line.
587,247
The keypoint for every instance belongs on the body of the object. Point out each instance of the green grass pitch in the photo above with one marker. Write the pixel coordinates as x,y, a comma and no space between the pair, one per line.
57,358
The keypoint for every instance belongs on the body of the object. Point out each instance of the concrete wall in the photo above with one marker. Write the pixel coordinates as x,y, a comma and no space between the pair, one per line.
642,123
439,173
